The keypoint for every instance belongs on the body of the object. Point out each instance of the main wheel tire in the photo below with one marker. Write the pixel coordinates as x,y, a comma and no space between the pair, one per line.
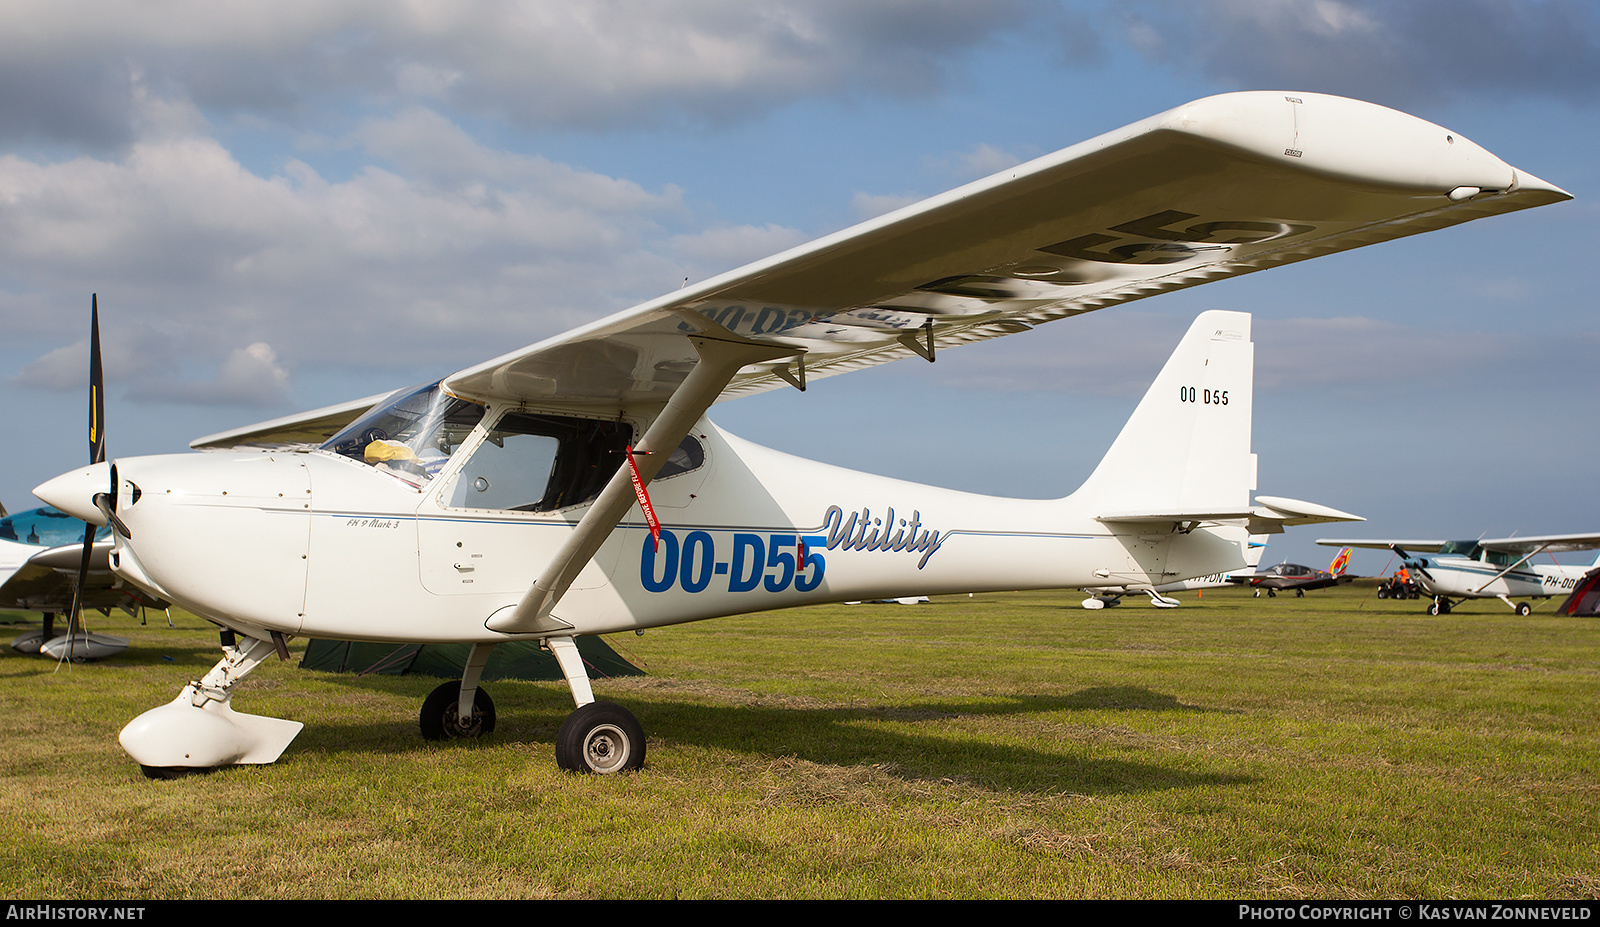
600,737
440,720
174,772
1524,609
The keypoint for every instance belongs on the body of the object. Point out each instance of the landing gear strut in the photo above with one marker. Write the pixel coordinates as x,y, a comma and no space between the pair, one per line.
460,709
199,731
1521,608
441,720
599,737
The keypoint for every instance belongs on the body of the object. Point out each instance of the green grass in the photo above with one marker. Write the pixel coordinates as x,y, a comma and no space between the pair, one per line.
1335,746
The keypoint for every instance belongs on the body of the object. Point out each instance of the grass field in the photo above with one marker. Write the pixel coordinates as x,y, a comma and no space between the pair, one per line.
1010,745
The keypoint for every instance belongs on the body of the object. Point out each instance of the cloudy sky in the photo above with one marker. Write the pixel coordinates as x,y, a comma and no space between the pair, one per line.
284,205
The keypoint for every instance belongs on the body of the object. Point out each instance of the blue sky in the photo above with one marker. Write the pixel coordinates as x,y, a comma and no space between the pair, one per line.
291,204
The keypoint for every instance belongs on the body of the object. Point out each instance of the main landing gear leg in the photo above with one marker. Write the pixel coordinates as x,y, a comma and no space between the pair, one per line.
1521,608
599,737
460,709
199,730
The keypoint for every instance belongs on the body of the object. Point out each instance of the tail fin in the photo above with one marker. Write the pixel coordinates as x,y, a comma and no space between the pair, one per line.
1187,447
1257,546
1340,563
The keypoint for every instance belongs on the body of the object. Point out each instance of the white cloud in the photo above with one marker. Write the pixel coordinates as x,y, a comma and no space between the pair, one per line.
470,250
872,205
250,376
1408,55
727,247
1117,352
596,64
978,162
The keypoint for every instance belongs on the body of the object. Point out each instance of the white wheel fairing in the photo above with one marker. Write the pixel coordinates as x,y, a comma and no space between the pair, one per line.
181,735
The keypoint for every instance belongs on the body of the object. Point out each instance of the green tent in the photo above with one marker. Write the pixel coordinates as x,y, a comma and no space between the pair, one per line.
517,660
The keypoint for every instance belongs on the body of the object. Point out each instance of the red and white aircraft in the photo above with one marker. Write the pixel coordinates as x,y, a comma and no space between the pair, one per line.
504,502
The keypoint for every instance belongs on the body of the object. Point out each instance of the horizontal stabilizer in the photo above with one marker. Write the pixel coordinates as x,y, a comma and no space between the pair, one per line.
1425,546
1270,515
1153,518
1274,513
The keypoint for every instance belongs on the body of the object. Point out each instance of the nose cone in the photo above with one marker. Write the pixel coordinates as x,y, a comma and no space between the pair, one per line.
73,492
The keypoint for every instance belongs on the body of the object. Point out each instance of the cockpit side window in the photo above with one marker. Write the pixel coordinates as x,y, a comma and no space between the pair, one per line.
540,463
1498,558
688,455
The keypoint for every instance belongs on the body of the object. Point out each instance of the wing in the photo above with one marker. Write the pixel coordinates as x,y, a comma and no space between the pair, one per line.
1381,544
43,583
313,427
1321,582
1554,543
1220,187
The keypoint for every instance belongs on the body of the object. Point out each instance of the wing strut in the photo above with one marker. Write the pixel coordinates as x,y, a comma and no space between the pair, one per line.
719,361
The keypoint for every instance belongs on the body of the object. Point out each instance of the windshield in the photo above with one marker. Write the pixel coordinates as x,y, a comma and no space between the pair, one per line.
411,435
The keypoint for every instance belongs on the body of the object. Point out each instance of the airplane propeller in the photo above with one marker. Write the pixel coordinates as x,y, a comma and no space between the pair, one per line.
97,454
1410,562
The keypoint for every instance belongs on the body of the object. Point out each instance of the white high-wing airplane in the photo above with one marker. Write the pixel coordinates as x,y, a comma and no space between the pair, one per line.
500,504
1111,596
1497,568
40,550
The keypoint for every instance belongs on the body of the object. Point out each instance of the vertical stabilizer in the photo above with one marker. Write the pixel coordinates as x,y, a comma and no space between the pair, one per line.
1187,447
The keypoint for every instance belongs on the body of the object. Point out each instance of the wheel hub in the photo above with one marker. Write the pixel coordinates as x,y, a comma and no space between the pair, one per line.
461,727
606,748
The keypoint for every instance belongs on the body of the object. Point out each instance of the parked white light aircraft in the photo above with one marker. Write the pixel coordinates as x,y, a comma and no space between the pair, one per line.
1497,568
499,504
40,551
1111,596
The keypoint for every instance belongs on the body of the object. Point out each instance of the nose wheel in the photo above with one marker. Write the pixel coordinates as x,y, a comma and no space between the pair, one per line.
441,716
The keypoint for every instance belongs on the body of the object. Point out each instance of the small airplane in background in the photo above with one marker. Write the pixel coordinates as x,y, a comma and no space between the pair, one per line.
40,552
513,500
1111,596
1496,568
1293,576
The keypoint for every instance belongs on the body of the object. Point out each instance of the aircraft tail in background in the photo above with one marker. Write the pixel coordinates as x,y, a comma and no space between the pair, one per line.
1186,449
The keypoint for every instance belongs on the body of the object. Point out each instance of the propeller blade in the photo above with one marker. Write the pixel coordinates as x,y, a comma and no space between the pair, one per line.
1410,562
73,625
97,454
97,400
